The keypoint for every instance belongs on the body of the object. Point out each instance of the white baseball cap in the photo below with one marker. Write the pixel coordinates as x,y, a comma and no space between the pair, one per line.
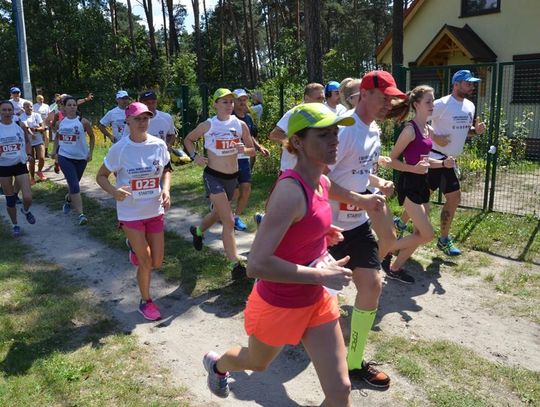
121,94
239,93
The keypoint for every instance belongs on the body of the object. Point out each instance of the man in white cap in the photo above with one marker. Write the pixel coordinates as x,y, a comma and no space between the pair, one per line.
17,101
116,117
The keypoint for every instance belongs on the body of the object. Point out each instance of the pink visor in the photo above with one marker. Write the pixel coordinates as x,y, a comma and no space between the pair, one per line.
137,108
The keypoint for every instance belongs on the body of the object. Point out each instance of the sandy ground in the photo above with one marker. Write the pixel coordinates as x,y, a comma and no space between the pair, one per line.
438,306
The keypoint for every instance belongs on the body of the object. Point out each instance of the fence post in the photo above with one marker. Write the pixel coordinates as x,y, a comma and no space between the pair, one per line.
203,90
399,72
491,131
496,135
281,99
184,100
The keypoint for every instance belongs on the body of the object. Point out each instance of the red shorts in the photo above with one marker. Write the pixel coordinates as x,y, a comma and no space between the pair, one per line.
278,326
150,225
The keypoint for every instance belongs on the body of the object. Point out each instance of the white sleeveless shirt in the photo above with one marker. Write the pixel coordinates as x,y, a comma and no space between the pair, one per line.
72,139
221,135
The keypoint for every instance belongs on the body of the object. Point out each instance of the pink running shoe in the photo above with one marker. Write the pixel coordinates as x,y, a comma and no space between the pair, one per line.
131,255
149,310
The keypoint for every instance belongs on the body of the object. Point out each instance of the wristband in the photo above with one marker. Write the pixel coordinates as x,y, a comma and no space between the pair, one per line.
192,156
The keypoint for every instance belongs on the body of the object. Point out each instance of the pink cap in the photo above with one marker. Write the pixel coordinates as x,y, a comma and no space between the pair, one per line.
137,108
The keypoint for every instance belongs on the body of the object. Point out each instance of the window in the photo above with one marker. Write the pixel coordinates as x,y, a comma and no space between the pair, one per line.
526,84
470,8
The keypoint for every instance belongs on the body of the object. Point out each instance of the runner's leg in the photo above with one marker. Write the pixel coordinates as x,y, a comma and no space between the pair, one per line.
9,190
224,212
139,244
256,357
448,211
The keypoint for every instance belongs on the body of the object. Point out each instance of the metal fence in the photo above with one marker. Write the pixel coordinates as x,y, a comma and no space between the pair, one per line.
500,170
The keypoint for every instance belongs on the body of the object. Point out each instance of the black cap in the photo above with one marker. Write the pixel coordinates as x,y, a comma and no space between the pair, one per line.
149,94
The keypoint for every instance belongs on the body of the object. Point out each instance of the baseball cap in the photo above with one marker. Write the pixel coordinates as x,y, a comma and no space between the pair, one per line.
464,75
331,86
238,93
121,94
149,94
221,93
383,81
14,90
137,108
314,115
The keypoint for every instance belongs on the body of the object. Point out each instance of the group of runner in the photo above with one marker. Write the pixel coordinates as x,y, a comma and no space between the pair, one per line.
316,235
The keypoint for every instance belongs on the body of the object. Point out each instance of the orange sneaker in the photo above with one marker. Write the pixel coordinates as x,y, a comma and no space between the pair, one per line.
41,176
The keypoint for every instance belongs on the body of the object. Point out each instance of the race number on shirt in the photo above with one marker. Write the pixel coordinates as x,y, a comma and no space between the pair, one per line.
67,138
226,146
8,150
144,188
321,262
349,213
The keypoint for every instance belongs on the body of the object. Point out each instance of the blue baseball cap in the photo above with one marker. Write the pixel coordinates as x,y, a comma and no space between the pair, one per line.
331,86
14,90
464,75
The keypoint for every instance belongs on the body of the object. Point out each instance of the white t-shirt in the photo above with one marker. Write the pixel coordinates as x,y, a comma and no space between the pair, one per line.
357,156
140,167
12,145
455,118
288,160
160,126
258,109
33,121
72,139
43,109
221,134
116,118
340,110
18,106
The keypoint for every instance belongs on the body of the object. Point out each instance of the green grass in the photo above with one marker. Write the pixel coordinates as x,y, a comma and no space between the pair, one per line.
452,375
195,272
58,348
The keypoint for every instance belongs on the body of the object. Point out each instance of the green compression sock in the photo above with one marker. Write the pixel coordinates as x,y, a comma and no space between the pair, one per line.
199,233
361,323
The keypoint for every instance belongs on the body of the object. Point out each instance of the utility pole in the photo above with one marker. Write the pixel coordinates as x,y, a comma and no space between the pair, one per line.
24,68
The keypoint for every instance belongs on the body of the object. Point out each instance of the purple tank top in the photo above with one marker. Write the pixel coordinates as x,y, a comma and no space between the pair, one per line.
304,242
419,146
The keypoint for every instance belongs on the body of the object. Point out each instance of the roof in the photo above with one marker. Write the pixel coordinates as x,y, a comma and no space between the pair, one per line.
468,41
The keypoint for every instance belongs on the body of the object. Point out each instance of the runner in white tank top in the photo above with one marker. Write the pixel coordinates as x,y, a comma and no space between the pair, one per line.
225,137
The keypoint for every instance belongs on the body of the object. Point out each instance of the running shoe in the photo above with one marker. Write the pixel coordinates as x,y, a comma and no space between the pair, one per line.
401,276
56,168
258,217
16,231
149,310
448,247
400,227
217,383
41,176
133,259
66,208
239,271
239,224
18,201
29,217
370,375
32,181
83,220
385,263
197,240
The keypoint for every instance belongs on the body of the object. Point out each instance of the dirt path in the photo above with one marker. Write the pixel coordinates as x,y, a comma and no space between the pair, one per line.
436,307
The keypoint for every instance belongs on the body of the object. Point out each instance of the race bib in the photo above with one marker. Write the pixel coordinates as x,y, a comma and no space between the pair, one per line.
349,213
226,146
145,188
10,149
322,262
67,138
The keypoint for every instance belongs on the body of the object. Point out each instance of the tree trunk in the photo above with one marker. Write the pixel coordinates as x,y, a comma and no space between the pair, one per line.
114,23
254,44
397,33
130,22
174,46
147,5
165,36
198,42
221,41
249,60
313,40
241,52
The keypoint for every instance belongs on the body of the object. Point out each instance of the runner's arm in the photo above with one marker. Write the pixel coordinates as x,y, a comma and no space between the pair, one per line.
193,136
88,128
249,148
105,131
278,135
366,202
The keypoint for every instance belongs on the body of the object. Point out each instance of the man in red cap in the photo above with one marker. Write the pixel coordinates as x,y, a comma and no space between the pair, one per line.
355,167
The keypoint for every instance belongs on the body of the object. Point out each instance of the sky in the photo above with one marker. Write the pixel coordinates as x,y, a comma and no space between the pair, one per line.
158,16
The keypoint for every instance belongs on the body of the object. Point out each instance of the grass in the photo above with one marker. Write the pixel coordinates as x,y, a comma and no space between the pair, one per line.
58,348
195,272
452,375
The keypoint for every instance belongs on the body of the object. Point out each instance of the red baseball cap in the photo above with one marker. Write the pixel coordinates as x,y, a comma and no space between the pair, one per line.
381,80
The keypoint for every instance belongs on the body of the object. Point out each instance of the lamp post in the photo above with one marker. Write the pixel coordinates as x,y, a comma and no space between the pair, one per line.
22,52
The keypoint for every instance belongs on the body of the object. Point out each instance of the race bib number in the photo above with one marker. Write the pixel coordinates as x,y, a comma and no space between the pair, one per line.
349,213
11,149
145,188
322,262
226,146
67,138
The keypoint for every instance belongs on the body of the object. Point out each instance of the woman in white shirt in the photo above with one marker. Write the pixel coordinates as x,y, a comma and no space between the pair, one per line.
142,166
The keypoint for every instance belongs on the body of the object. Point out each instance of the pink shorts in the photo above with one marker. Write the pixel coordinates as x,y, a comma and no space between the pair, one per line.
150,225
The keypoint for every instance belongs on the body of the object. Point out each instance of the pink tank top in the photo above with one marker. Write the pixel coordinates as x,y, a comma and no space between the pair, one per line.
419,146
304,242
